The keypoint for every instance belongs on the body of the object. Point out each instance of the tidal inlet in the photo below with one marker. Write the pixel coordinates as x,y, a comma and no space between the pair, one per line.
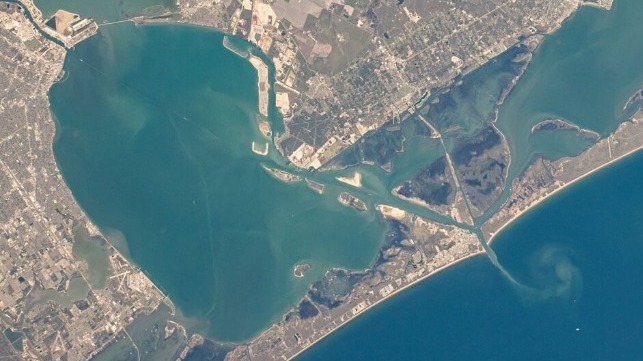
154,133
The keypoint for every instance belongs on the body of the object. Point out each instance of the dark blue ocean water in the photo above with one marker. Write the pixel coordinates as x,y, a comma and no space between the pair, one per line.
580,254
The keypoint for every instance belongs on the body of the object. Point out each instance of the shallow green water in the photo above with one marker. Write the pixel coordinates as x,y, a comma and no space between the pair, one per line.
584,73
153,137
104,10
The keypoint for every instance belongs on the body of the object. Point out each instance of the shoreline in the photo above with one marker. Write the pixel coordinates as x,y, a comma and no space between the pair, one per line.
384,299
560,188
421,203
228,45
440,269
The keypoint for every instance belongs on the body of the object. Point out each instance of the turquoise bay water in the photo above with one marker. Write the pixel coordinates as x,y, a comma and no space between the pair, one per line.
104,10
584,73
580,256
153,137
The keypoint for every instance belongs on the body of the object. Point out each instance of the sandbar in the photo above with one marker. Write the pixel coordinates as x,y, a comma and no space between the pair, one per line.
355,180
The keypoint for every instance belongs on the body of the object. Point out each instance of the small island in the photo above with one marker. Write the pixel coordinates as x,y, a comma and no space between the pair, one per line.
315,186
264,126
559,124
300,269
282,175
350,200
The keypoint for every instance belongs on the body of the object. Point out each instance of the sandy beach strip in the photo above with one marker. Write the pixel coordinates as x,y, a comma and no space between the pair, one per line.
560,188
383,299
